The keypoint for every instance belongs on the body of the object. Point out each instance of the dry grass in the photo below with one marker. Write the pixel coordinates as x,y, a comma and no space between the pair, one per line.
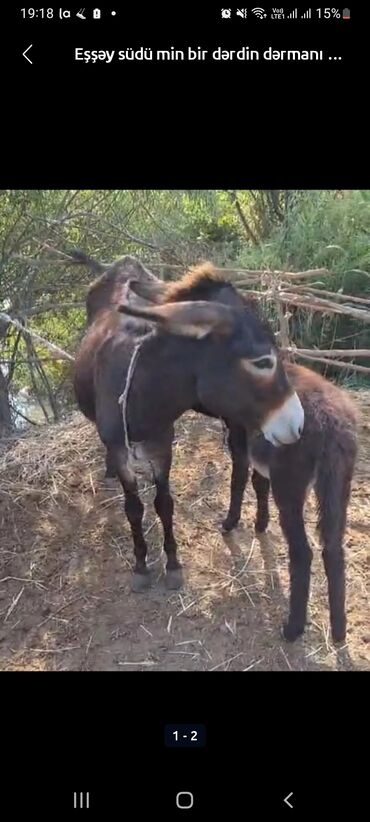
66,557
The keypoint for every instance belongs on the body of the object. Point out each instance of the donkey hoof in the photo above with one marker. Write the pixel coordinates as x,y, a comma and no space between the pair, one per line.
338,636
229,524
109,483
174,579
140,582
291,632
260,527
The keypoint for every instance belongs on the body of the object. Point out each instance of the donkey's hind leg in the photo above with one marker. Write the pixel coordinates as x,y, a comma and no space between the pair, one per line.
163,503
261,487
134,511
333,489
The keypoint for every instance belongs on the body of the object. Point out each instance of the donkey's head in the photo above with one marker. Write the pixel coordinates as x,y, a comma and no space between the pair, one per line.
237,367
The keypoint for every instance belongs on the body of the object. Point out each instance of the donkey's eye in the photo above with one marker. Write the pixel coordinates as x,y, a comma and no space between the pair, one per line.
264,362
263,366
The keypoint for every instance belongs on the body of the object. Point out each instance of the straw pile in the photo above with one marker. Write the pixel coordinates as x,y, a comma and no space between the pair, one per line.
66,558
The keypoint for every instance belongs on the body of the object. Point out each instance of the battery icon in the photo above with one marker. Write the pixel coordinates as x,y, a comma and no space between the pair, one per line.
97,14
346,14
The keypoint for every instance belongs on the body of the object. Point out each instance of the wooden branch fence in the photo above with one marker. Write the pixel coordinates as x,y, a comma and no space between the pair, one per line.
283,288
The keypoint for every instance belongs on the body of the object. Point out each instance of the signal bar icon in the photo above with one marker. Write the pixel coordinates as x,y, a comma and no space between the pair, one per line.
293,15
306,15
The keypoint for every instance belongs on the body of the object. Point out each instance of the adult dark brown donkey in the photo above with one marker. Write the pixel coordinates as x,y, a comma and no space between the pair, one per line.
201,350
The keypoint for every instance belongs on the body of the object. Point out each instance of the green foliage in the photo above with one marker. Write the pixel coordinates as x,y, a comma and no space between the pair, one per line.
323,229
292,230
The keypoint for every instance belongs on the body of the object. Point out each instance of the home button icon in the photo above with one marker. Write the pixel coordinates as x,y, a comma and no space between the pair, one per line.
184,800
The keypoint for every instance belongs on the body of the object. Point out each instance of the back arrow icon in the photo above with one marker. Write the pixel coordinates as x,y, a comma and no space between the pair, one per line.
24,54
286,800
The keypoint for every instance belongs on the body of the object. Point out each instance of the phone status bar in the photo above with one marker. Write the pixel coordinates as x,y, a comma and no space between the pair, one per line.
259,13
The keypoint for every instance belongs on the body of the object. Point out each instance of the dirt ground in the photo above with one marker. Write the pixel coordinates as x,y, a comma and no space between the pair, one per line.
66,557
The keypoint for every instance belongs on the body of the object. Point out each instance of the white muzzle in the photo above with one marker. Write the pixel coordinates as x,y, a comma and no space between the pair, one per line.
285,425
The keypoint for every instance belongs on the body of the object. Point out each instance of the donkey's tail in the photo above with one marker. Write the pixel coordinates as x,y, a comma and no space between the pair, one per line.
333,486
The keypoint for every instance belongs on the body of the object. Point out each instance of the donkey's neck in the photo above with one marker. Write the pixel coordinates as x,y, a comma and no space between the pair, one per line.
163,385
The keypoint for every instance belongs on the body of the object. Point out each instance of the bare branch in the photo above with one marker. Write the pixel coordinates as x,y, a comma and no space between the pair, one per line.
40,369
20,414
337,294
335,363
36,392
257,273
312,303
12,362
331,352
26,361
251,236
42,309
5,417
63,355
123,232
46,261
283,320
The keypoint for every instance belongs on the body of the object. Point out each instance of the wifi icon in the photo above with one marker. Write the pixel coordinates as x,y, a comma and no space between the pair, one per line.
259,13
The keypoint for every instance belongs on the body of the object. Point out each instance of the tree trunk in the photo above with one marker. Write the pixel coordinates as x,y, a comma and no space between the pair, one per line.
5,415
234,199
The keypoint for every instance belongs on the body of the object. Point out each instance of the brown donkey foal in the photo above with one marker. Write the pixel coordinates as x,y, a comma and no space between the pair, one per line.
200,349
323,458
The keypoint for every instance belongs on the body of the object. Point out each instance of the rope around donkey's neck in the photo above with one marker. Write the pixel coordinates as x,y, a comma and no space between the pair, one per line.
124,397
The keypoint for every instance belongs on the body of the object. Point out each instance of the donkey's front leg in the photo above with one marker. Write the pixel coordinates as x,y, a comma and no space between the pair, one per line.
289,497
110,465
238,447
261,486
134,511
163,503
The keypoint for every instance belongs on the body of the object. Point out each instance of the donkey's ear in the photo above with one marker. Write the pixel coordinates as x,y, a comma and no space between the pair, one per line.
189,319
153,292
